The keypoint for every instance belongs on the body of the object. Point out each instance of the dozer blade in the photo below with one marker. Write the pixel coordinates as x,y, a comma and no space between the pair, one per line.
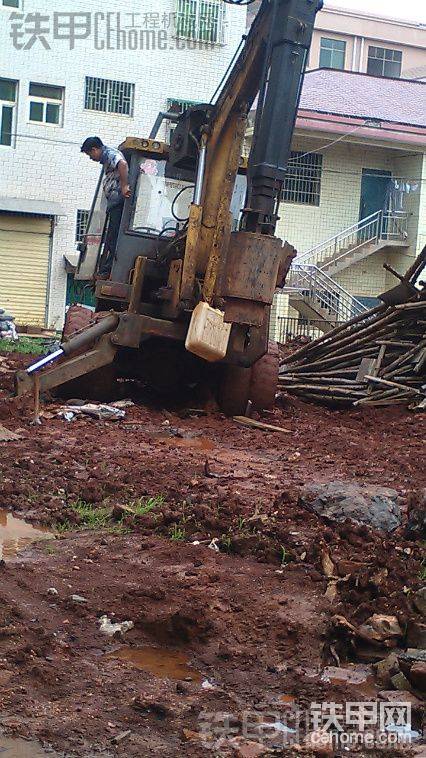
99,352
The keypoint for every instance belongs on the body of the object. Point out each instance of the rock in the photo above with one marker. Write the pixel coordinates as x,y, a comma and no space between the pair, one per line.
412,655
386,668
379,628
246,748
320,743
354,674
400,682
416,518
416,634
379,507
418,675
52,591
79,599
396,696
419,600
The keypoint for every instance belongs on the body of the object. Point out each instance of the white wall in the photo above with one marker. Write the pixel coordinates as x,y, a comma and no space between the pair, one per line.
46,163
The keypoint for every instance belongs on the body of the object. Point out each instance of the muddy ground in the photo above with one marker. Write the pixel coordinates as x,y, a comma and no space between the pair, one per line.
249,614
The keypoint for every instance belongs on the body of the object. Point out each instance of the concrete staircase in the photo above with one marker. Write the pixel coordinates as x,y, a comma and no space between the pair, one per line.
312,290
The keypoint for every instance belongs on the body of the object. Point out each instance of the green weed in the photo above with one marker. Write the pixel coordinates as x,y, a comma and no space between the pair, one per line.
284,556
27,345
91,516
177,533
144,505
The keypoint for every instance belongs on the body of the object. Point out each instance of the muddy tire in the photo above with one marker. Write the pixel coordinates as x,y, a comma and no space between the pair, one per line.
234,390
77,317
264,379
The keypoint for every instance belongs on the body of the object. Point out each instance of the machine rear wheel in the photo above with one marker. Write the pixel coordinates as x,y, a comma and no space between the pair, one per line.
264,379
258,384
234,390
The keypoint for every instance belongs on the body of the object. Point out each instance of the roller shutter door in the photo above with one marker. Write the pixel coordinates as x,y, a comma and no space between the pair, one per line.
24,267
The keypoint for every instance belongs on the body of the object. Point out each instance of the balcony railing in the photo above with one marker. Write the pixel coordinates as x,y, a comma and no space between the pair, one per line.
379,226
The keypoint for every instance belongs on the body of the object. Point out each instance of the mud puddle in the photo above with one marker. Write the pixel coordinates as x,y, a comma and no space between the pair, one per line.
13,747
164,664
16,534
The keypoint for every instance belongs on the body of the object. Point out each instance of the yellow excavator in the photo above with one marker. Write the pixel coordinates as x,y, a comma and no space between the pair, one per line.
197,261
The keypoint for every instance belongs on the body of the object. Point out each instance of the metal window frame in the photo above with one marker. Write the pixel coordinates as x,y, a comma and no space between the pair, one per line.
98,89
302,184
45,101
13,105
333,51
190,23
373,56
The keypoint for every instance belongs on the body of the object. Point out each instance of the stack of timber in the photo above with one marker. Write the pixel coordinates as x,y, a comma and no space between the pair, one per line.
376,359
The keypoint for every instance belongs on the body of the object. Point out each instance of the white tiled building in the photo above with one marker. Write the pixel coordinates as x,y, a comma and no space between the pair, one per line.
52,97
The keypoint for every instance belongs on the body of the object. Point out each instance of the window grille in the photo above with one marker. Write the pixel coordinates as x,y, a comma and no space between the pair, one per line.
303,179
81,224
109,96
201,20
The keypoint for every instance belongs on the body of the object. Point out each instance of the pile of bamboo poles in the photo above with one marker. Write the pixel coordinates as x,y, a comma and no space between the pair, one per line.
377,358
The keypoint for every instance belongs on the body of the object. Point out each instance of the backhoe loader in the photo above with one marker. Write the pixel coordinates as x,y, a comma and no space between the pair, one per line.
197,261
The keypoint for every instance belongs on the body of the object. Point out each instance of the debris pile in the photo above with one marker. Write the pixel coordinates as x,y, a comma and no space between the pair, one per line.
377,358
7,326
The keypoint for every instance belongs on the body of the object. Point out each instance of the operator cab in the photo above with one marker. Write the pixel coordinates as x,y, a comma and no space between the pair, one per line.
154,219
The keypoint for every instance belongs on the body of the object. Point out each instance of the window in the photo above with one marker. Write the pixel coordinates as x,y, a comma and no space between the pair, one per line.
303,180
332,53
201,20
10,3
109,96
46,104
384,62
8,90
81,224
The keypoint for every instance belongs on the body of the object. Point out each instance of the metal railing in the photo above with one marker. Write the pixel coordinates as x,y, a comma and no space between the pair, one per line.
289,328
308,281
381,225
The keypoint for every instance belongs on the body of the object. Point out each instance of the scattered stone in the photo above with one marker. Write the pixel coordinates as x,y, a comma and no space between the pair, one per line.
380,629
396,696
386,668
379,507
419,600
400,682
416,634
320,743
110,629
79,599
189,735
418,675
412,655
122,736
148,704
52,591
246,748
356,674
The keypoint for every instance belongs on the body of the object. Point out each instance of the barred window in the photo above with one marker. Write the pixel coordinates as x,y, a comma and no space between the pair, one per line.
81,224
303,179
202,20
109,96
384,62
